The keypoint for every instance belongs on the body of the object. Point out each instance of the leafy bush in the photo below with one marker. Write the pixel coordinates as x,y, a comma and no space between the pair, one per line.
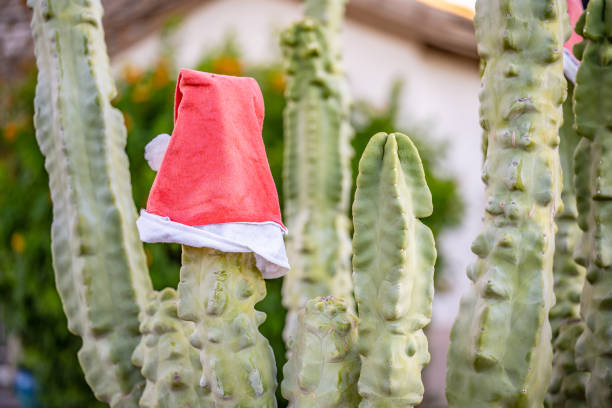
29,302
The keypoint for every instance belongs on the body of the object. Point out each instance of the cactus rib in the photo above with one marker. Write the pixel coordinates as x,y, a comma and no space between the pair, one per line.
593,163
167,360
567,384
500,352
393,270
316,173
218,291
323,369
99,261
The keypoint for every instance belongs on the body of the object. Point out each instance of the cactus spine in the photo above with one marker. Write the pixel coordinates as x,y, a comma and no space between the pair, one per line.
323,369
99,262
316,175
393,270
169,363
594,176
218,291
567,384
500,352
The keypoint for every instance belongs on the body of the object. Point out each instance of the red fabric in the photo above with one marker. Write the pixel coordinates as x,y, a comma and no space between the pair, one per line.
215,169
574,8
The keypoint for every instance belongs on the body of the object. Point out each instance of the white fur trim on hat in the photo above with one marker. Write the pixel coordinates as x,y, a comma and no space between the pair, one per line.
264,239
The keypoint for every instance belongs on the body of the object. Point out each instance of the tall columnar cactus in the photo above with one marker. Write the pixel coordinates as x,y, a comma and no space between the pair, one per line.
323,369
393,271
99,262
593,109
218,291
500,352
316,173
169,363
567,384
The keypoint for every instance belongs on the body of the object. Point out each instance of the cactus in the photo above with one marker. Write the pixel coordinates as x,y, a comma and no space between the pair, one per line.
218,291
324,366
393,270
593,163
169,363
500,352
99,261
316,172
567,384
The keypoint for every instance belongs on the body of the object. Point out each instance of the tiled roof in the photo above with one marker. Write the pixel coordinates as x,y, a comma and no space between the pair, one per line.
126,21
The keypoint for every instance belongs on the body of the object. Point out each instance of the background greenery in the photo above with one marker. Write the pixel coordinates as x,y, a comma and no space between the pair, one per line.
29,304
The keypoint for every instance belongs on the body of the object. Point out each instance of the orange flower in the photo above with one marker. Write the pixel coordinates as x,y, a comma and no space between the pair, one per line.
227,65
10,131
161,75
141,93
132,74
278,82
18,243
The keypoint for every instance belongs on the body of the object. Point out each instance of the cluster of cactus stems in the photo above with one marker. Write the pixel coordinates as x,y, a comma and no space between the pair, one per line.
500,352
199,345
316,175
593,180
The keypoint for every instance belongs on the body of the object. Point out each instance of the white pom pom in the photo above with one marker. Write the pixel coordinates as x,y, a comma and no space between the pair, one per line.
570,65
155,150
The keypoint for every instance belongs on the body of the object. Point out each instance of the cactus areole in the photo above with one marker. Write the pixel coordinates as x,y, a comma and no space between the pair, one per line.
214,188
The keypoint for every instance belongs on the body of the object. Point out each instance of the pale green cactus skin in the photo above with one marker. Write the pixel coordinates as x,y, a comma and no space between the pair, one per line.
593,162
99,261
218,291
169,363
323,369
316,174
500,353
393,271
568,383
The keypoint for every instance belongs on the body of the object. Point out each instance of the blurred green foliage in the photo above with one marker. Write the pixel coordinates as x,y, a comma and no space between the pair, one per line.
29,303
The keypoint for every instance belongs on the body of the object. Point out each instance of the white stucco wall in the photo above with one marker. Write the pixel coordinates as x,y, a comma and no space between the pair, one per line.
441,89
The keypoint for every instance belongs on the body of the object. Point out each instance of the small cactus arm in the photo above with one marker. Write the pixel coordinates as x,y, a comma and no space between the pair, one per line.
323,369
99,262
167,360
393,271
500,353
218,291
316,174
567,384
593,161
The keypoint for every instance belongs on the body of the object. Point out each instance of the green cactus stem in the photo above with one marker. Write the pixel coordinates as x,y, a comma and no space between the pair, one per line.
218,291
567,383
500,353
99,261
330,14
316,174
393,270
593,161
167,360
323,369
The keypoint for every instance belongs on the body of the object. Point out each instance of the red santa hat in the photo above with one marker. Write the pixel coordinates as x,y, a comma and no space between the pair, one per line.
214,187
570,62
